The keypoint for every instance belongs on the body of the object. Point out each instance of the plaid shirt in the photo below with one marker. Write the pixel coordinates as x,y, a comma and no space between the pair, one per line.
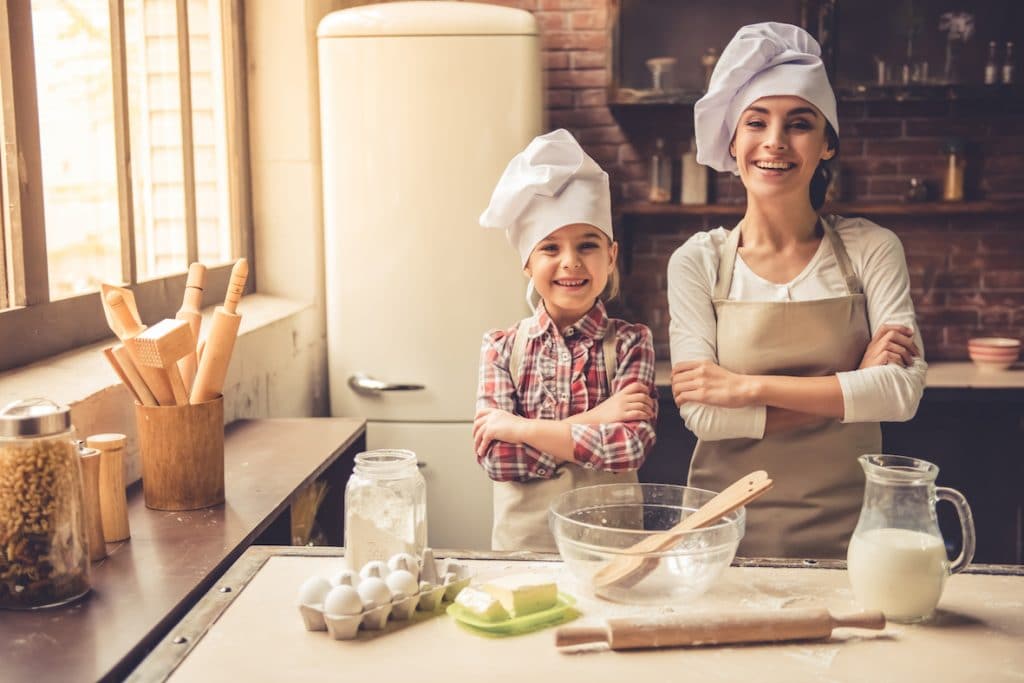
561,376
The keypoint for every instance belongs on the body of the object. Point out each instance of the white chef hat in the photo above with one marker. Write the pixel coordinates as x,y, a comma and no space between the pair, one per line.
761,60
550,184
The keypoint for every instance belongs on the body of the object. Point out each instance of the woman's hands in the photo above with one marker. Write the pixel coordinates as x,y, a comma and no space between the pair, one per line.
704,381
892,344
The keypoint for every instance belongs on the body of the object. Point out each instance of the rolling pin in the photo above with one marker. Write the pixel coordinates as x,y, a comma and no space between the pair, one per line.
190,305
716,629
220,341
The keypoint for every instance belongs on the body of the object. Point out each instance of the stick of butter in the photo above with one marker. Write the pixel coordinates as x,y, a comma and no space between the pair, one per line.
482,605
523,593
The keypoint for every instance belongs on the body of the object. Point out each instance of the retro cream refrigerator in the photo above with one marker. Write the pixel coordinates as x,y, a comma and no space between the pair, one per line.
422,106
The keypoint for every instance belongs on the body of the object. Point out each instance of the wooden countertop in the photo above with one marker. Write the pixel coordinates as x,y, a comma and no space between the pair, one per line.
941,375
254,632
145,585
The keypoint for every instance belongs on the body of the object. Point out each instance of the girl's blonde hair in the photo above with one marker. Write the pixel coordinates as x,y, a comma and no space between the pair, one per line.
611,288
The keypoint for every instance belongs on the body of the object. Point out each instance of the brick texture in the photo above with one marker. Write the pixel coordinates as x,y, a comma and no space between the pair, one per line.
967,272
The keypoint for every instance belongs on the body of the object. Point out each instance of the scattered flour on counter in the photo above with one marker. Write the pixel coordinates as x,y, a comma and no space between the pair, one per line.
817,656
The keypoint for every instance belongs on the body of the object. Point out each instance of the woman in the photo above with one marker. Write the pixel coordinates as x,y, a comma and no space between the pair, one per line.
792,335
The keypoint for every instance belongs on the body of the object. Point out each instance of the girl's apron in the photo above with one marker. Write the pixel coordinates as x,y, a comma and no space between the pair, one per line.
813,507
521,507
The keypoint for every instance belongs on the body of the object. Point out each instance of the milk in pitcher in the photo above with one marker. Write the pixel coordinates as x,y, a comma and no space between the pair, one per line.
898,571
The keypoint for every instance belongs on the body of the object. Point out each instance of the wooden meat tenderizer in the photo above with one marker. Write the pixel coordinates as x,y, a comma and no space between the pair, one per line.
162,346
220,340
717,629
189,311
154,378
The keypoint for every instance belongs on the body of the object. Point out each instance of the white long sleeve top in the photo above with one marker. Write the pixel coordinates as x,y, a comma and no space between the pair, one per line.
885,393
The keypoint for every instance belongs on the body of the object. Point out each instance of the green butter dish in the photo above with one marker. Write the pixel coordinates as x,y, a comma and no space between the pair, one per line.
562,612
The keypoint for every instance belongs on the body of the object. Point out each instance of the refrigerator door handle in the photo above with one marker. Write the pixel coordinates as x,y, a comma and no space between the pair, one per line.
362,383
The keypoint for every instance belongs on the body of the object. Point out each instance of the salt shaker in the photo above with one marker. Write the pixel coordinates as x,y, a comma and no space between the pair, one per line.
385,507
113,499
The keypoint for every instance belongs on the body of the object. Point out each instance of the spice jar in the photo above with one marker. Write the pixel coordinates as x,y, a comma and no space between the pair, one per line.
385,507
44,555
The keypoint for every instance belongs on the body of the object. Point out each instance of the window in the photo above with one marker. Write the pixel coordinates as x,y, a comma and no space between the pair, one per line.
124,160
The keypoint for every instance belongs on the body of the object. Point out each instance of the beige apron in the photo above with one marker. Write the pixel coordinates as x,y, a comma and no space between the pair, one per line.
813,506
521,507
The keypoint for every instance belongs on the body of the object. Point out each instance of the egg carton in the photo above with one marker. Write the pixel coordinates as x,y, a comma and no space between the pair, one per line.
379,591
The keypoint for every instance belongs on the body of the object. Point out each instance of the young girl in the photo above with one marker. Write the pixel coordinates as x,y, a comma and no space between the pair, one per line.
793,335
566,398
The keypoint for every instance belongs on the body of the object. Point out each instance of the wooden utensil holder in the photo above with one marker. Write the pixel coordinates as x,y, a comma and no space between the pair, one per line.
182,450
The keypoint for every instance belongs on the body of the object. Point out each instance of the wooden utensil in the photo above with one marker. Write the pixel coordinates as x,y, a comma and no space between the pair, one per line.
190,305
121,361
629,568
90,459
220,340
155,379
129,300
717,628
162,346
113,498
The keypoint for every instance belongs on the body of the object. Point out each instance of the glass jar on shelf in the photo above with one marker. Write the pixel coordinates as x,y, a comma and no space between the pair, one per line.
44,555
385,507
660,190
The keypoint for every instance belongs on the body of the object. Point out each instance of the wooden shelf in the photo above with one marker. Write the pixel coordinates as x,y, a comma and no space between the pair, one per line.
844,208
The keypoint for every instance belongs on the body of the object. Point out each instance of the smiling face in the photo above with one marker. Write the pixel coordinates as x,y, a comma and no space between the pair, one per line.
778,144
570,268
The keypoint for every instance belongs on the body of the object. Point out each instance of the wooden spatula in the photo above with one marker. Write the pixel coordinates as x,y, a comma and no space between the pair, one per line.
634,565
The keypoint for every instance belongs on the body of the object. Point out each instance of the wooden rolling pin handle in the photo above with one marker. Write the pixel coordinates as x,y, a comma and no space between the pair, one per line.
236,285
871,619
568,636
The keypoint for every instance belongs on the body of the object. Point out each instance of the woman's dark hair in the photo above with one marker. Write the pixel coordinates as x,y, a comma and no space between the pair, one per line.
823,174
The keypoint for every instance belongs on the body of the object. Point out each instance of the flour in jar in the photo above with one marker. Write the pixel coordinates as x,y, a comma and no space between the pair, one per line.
379,524
898,571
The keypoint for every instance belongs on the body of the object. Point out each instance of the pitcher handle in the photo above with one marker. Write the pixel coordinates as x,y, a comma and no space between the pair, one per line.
963,511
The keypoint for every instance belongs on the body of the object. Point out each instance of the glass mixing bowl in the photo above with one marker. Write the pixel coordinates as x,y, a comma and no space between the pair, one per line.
595,525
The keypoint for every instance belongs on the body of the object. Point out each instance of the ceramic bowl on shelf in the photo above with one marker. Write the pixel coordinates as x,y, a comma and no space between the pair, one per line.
595,526
992,354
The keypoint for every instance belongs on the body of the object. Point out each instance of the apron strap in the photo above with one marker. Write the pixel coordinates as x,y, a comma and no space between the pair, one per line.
853,284
727,263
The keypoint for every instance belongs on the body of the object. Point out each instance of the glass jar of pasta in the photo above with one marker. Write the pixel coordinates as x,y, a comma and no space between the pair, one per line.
44,556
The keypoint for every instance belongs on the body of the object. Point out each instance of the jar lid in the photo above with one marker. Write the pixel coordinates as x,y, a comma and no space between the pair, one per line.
34,417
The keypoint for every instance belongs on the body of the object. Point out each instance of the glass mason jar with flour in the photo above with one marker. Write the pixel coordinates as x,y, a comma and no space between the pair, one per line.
385,507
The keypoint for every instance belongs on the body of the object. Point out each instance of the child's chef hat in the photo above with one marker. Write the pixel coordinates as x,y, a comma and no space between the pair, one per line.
550,184
761,60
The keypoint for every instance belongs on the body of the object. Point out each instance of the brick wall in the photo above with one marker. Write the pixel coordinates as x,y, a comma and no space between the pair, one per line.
967,272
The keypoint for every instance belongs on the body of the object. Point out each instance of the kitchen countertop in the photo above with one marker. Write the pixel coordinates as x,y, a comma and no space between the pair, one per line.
254,632
145,585
941,375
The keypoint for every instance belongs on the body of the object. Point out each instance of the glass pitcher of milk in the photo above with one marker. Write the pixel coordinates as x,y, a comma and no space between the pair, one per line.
897,560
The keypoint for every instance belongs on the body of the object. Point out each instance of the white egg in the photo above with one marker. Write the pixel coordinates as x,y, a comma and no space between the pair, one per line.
343,601
373,592
404,561
402,583
346,577
375,568
313,590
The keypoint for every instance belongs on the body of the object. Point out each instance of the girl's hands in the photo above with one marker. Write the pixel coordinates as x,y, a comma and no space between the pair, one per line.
493,424
892,344
629,404
703,381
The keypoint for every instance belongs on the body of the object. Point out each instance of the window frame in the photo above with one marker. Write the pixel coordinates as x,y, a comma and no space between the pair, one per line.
33,327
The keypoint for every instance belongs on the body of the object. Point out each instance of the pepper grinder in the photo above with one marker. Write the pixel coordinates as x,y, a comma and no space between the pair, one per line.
90,460
953,190
113,499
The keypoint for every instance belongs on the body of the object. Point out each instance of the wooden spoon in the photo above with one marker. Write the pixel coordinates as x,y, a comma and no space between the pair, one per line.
634,564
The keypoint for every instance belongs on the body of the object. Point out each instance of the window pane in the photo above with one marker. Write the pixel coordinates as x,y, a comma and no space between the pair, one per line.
209,131
158,186
76,129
